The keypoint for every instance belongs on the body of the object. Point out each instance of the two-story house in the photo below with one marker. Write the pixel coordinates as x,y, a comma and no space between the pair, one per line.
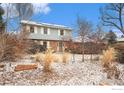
50,35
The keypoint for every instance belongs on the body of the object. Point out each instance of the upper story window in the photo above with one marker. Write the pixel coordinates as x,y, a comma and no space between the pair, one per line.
45,30
62,32
32,29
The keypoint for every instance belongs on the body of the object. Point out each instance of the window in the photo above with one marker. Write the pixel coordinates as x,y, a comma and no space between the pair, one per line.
45,30
45,44
32,29
61,32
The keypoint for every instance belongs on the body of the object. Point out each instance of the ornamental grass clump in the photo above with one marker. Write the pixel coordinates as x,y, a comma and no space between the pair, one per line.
108,63
108,57
65,57
48,59
38,57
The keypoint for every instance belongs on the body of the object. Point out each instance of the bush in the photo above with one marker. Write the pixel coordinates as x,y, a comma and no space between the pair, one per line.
13,46
36,48
120,48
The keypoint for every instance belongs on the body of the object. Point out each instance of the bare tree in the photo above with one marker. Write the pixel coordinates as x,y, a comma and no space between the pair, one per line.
113,15
84,27
98,35
96,38
25,11
16,12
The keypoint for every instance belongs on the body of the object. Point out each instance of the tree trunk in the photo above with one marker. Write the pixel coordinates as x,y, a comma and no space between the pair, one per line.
73,58
82,50
91,57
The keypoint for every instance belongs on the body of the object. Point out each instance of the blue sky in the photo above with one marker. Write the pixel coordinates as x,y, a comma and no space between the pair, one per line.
65,13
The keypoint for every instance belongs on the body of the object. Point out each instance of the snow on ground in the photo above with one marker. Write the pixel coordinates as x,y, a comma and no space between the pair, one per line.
77,73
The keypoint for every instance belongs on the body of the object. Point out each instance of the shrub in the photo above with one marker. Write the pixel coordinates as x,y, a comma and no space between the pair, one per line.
13,46
121,57
36,48
120,48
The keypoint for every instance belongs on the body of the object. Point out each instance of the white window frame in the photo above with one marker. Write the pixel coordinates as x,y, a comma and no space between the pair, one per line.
58,32
44,31
35,30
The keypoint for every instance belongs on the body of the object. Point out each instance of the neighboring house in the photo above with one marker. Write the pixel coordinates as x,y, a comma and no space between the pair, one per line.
49,35
120,40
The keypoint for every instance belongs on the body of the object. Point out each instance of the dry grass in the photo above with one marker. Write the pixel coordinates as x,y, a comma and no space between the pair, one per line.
65,57
107,62
38,57
108,57
48,59
57,57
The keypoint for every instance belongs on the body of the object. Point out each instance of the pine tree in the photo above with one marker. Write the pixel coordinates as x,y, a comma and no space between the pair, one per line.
111,37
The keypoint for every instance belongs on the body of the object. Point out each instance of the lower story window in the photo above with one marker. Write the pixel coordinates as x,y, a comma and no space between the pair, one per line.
45,44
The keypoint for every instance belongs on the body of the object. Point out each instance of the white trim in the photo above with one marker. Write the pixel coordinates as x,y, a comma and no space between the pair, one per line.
48,31
35,29
58,32
41,42
48,44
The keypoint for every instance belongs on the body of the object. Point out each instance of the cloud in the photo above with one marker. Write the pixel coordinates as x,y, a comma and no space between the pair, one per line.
42,8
